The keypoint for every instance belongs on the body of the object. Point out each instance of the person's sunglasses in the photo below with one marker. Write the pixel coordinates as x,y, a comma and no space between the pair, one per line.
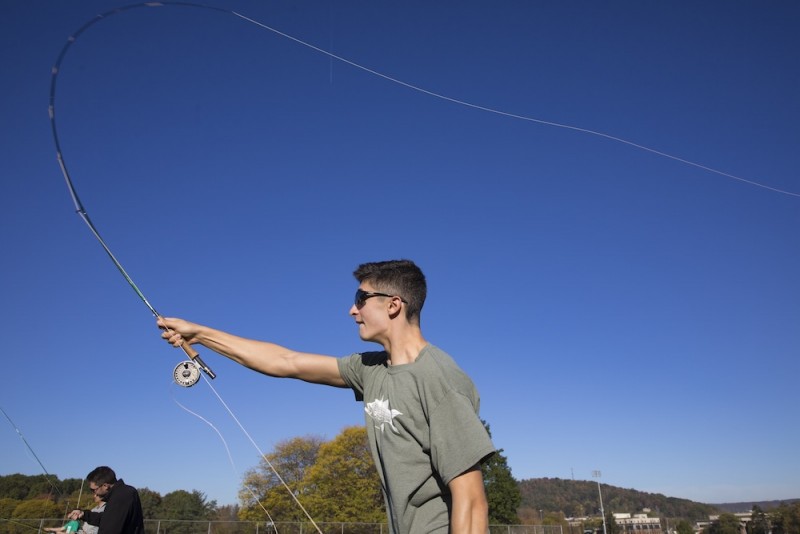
98,488
362,296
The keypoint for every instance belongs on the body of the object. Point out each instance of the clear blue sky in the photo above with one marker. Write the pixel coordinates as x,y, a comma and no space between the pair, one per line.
617,310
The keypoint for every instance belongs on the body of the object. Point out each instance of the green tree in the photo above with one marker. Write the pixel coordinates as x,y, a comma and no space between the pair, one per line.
261,487
184,509
611,524
344,482
502,490
37,509
758,524
7,506
28,513
726,524
785,519
185,505
684,527
151,503
14,487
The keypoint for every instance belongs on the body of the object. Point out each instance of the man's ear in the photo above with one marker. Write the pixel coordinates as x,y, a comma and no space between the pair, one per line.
395,307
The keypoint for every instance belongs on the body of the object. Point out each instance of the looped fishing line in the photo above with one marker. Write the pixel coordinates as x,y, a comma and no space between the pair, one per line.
258,449
230,457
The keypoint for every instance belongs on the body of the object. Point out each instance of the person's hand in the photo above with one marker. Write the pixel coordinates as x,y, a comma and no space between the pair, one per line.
76,514
176,331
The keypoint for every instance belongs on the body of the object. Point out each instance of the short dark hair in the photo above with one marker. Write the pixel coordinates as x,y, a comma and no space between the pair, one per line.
397,277
102,475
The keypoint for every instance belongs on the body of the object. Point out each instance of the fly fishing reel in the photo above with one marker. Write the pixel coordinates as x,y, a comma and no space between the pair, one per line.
186,374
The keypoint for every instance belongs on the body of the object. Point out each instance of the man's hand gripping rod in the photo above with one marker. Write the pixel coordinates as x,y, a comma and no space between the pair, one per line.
193,354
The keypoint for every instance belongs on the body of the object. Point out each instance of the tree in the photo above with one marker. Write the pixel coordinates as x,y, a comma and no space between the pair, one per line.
344,482
684,527
37,509
227,515
727,523
151,502
611,524
758,523
785,519
184,508
7,506
261,487
182,504
502,490
33,509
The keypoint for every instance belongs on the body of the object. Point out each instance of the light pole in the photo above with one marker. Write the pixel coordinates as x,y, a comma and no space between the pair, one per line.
596,474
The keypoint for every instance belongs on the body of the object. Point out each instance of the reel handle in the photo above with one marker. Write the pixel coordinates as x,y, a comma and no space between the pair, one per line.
195,357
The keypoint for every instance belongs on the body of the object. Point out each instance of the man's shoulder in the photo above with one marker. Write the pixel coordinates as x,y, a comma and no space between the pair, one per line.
440,357
121,488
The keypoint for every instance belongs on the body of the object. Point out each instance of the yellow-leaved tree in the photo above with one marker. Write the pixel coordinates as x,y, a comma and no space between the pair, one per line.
292,459
345,483
336,481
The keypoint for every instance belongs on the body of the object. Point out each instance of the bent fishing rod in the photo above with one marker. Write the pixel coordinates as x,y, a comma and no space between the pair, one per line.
186,373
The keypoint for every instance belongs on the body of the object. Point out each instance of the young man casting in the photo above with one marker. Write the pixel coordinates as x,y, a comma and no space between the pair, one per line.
421,408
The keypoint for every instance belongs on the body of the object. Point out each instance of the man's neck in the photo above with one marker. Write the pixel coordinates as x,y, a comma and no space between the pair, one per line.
405,347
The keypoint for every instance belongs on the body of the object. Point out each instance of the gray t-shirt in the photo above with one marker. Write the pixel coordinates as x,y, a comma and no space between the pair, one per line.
424,430
91,529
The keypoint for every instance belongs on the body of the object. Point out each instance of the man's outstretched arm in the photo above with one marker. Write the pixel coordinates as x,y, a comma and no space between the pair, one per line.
267,358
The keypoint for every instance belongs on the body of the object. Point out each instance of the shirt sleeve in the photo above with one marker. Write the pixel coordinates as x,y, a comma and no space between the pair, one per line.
350,370
458,438
354,369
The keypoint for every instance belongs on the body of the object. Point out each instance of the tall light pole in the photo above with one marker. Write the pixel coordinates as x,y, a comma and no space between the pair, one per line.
596,474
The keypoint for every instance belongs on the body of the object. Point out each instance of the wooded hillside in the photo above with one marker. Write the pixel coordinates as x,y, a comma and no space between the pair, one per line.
579,498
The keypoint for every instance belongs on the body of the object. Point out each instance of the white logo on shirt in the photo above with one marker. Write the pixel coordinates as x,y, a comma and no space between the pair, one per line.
380,412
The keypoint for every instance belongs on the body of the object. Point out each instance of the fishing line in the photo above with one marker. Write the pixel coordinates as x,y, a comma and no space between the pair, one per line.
263,456
28,445
518,116
230,456
258,449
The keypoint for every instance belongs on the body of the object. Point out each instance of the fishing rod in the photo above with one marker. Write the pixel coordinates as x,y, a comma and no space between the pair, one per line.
186,371
28,445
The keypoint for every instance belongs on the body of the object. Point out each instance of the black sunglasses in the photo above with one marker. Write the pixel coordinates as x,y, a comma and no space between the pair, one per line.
362,296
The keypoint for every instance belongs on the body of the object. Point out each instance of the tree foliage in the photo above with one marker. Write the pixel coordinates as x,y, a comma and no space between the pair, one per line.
727,523
151,503
577,498
785,519
684,527
261,487
334,481
185,505
502,490
37,508
758,524
345,482
611,524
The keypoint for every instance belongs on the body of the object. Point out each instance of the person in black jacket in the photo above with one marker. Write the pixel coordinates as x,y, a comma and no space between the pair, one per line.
123,512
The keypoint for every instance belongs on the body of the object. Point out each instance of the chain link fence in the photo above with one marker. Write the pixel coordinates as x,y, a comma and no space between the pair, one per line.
164,526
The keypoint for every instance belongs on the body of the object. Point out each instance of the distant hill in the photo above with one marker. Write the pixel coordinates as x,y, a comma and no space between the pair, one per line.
739,507
578,498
